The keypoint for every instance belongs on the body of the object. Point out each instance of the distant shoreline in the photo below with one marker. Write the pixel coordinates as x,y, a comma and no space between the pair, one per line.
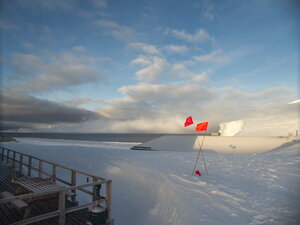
110,137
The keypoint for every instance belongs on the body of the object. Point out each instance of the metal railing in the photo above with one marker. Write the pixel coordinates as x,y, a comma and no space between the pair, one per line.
20,161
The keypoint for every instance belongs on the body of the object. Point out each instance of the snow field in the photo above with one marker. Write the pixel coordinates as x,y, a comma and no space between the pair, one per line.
156,187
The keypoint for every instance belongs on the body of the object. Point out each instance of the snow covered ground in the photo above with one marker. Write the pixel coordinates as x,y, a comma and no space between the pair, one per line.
156,187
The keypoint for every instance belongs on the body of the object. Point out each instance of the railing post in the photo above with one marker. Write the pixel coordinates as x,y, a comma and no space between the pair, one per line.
108,199
94,190
7,155
21,163
40,167
53,179
14,159
2,154
62,208
73,183
29,166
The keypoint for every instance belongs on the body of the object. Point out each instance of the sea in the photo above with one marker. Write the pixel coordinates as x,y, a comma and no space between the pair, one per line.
101,137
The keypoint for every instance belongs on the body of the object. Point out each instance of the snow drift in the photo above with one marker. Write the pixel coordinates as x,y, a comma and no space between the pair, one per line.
220,144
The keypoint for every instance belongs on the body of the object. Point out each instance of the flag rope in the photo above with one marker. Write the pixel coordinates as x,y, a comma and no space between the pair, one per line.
200,150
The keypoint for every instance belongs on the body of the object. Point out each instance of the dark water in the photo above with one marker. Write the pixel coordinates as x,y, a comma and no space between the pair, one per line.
129,137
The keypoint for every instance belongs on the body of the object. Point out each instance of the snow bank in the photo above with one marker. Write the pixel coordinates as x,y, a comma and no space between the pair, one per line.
231,128
156,187
220,144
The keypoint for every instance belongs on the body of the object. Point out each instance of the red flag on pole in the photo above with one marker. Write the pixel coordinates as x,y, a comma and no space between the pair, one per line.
188,121
198,173
202,126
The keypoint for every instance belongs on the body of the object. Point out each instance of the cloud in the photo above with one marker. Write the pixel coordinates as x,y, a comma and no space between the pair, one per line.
81,101
8,25
151,49
221,57
25,64
201,77
179,49
213,57
148,101
207,9
116,30
100,3
24,111
79,48
200,35
50,5
154,67
141,60
163,108
60,71
28,45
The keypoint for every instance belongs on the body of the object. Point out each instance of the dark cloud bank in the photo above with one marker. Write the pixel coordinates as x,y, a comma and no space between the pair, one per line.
19,111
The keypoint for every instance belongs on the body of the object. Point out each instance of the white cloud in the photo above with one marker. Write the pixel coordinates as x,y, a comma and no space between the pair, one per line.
222,57
79,48
141,60
155,66
100,3
207,9
180,70
163,108
154,100
202,77
180,49
200,35
65,5
59,71
118,31
213,57
151,49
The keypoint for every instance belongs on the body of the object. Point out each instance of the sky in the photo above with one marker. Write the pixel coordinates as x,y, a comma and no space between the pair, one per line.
144,66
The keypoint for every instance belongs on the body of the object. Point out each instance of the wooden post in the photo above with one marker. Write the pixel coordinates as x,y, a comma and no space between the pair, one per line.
53,179
94,190
21,163
62,207
108,199
2,154
29,166
73,183
40,167
14,159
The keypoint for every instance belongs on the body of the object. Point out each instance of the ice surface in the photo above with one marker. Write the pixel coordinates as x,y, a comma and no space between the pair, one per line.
156,187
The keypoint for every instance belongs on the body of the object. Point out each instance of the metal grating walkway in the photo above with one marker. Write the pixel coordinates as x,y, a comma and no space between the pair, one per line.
10,215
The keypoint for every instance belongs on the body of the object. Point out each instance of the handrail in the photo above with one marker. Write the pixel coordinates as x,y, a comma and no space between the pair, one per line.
42,193
46,161
72,186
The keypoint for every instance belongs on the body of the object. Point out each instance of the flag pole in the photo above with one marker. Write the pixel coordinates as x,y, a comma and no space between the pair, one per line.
200,150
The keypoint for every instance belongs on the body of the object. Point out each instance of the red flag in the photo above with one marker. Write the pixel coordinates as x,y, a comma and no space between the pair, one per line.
198,173
202,126
188,121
